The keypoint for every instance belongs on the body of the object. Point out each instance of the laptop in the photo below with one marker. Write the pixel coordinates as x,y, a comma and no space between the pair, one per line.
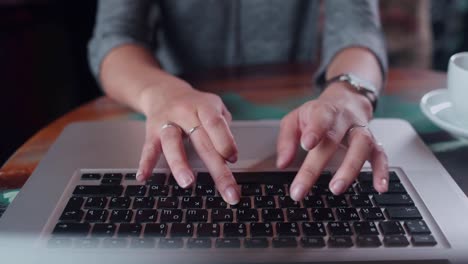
83,204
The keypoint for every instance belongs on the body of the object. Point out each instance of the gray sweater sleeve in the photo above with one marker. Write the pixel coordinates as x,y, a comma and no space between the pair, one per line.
351,23
118,22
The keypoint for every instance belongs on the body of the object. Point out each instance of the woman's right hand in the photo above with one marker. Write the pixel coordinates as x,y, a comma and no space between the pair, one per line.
188,108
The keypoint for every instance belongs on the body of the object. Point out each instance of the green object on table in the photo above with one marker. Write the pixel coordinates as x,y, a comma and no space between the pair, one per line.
7,196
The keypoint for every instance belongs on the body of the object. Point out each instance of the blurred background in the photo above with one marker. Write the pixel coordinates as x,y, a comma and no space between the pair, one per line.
44,71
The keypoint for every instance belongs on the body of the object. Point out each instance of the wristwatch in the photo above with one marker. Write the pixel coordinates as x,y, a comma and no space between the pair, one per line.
363,87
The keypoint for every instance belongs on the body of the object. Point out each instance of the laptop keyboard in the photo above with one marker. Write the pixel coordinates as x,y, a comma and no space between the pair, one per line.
113,210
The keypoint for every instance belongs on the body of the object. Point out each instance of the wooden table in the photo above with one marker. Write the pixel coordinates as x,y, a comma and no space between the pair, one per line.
257,85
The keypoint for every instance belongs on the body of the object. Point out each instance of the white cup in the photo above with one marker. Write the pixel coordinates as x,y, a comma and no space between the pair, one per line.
457,82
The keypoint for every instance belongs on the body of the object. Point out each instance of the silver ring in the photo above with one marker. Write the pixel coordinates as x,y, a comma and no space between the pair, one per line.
172,124
354,126
193,129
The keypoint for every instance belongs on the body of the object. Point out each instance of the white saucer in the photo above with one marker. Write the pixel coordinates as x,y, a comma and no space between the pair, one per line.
438,108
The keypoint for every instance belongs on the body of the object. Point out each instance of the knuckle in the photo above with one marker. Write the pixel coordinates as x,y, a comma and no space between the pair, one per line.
330,108
366,138
354,166
310,171
182,109
214,120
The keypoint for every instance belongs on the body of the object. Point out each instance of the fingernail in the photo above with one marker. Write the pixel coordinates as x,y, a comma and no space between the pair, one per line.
308,142
139,176
384,183
185,179
231,195
233,158
338,187
298,192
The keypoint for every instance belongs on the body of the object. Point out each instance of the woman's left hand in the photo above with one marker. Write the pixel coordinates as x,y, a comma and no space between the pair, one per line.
320,126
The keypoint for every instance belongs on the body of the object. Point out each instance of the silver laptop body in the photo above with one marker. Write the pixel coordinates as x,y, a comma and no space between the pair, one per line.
115,146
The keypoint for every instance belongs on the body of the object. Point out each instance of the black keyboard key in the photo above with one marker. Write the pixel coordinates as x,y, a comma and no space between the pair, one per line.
156,179
244,203
98,190
227,243
287,202
360,200
365,188
110,182
347,214
297,214
247,215
181,230
96,216
251,189
142,243
417,227
146,216
320,188
121,216
179,191
113,176
336,201
135,190
234,230
367,176
403,213
199,243
396,187
86,243
103,230
221,215
192,202
96,203
340,242
313,201
71,229
171,215
368,241
261,230
120,202
370,214
168,203
205,190
171,243
423,240
391,228
393,200
90,176
71,216
256,243
114,243
208,230
158,190
265,177
365,228
143,202
287,229
204,178
314,229
130,177
196,215
264,202
132,230
322,214
312,242
272,215
284,242
325,177
340,229
215,202
74,203
395,241
155,230
274,189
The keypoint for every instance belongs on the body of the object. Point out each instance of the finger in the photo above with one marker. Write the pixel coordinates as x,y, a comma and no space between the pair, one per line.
317,121
222,176
379,163
227,115
361,144
316,160
149,155
218,131
173,148
288,139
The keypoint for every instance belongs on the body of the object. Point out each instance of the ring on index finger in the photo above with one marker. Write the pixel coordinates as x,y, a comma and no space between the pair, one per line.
354,127
193,129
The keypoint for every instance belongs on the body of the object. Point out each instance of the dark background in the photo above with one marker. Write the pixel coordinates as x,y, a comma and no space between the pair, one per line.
44,71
